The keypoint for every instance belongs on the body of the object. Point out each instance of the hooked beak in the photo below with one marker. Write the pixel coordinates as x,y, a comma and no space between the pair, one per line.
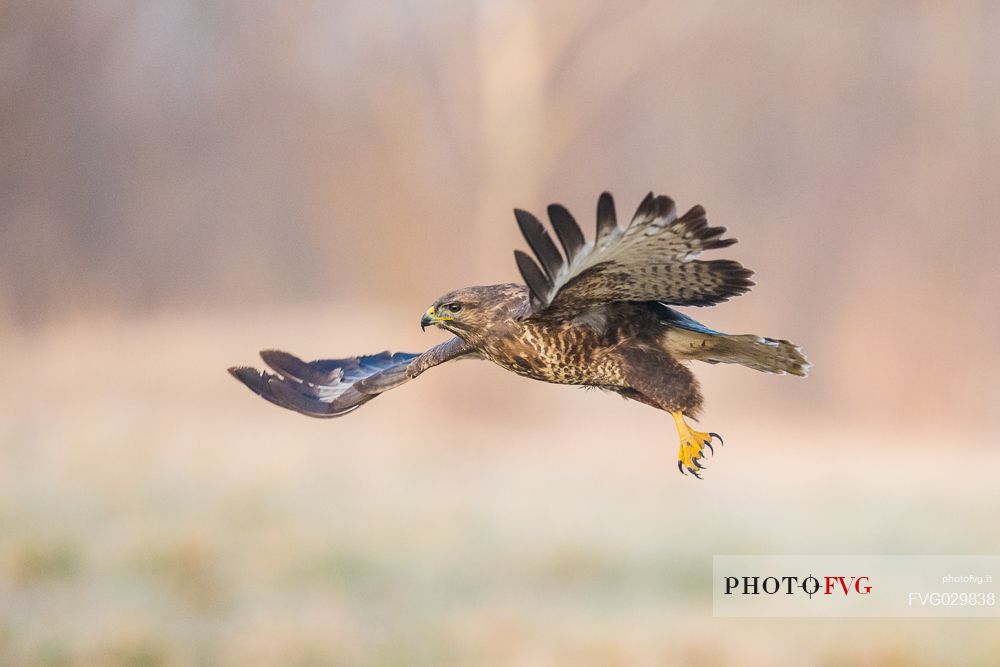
428,319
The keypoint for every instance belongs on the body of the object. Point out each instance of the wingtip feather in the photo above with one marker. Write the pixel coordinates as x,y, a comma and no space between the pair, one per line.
538,238
607,217
567,230
538,284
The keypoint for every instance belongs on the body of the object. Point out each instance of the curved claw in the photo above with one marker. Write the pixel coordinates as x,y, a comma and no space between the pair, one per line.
695,473
716,435
680,466
708,443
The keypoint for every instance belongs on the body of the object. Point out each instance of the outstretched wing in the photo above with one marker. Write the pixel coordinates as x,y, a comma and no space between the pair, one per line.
654,258
334,387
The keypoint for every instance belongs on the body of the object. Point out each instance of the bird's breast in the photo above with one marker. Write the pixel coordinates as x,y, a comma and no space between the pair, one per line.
559,354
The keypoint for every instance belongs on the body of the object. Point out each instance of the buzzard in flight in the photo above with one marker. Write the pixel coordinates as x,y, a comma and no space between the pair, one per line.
597,314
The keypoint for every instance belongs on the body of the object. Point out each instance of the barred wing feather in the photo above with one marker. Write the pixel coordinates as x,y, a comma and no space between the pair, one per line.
654,258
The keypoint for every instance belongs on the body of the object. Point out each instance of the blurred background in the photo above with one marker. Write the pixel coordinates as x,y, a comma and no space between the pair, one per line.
184,183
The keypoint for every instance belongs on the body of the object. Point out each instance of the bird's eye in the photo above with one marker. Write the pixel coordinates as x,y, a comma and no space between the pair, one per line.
454,307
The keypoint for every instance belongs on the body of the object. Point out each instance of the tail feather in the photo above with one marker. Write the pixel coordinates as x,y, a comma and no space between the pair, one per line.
759,353
769,355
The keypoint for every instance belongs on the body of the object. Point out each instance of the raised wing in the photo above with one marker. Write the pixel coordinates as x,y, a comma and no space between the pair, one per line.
334,387
654,258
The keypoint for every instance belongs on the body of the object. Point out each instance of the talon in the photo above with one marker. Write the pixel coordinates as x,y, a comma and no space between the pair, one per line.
693,446
716,435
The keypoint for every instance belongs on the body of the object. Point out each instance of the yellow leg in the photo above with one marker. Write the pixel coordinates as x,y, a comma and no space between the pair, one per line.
693,444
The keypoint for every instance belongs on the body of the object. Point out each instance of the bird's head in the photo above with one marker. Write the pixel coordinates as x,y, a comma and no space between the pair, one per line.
471,311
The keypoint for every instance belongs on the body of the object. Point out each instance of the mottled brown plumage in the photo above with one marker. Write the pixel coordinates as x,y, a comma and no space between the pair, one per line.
596,314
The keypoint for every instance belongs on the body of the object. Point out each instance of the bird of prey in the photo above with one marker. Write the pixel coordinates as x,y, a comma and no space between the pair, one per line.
597,314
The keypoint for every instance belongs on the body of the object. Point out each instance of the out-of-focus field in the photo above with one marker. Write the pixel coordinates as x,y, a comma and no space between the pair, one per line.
155,512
